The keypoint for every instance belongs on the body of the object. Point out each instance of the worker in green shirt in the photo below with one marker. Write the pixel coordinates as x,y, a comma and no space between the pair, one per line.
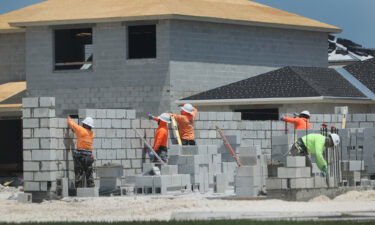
315,144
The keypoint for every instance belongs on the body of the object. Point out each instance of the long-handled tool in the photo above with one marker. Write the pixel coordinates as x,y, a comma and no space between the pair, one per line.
175,130
149,146
230,149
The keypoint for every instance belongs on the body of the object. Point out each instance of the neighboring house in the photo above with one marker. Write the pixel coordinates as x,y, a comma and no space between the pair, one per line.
293,89
146,54
342,52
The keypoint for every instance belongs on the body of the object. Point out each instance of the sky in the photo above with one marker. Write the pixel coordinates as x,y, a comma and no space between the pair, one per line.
355,17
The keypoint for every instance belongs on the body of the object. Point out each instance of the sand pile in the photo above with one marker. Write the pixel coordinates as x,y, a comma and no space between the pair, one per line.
357,196
321,198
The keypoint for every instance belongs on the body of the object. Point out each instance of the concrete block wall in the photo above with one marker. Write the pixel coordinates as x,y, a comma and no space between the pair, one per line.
218,54
114,80
48,143
12,57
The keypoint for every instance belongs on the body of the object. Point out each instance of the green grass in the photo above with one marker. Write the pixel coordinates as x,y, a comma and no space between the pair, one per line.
213,222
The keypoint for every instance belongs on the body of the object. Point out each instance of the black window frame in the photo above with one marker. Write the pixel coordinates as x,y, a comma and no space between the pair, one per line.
147,44
79,60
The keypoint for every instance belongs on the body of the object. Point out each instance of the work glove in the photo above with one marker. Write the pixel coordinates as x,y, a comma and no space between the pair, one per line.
281,117
324,171
150,116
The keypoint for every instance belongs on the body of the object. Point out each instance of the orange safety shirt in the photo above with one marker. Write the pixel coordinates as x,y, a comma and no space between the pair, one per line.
299,122
186,125
85,137
161,135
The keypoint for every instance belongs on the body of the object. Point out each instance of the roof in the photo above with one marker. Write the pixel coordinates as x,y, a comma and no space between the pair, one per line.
344,50
55,12
286,83
364,71
11,94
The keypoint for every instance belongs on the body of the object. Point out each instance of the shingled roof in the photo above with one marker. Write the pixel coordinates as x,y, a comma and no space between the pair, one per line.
364,71
55,12
287,82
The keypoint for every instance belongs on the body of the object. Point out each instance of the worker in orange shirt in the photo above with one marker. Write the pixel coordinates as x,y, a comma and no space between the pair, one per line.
161,137
300,121
185,123
82,156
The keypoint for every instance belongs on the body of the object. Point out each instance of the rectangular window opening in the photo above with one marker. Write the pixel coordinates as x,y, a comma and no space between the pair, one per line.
142,42
73,49
259,114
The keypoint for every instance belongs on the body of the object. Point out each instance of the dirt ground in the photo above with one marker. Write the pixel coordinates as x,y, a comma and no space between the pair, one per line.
144,208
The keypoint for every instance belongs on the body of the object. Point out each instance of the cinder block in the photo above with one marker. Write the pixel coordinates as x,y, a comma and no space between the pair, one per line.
30,123
246,181
276,183
31,186
47,102
88,192
174,150
189,150
296,183
169,169
247,171
30,102
111,170
220,183
296,161
247,192
320,182
248,160
299,172
44,112
24,198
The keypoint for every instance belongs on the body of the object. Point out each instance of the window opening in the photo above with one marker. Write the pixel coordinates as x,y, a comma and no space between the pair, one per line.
142,41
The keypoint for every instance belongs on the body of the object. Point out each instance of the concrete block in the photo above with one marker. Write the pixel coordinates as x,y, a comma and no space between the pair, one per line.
299,172
247,192
47,102
147,168
88,192
129,190
169,169
130,114
320,182
30,123
24,198
189,150
249,160
296,183
174,150
31,186
111,170
246,181
247,171
276,183
220,183
296,161
44,112
249,151
30,102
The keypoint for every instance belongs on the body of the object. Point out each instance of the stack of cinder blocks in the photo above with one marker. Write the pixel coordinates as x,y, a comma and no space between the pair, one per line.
168,181
249,179
201,162
294,176
109,177
44,159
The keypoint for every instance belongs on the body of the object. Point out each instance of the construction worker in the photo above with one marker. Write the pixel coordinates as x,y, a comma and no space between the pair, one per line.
315,144
82,156
161,137
185,123
300,121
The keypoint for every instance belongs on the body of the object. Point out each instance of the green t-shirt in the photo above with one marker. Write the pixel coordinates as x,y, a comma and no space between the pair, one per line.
315,144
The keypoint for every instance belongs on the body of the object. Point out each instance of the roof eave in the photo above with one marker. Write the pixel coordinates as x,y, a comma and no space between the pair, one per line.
293,100
12,30
176,16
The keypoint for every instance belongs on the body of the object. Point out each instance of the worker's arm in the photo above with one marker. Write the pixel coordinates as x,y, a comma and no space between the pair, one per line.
177,117
321,163
156,119
289,119
75,127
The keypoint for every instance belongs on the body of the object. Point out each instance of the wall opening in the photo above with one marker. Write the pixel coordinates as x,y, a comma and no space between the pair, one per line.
259,114
11,157
142,41
73,49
